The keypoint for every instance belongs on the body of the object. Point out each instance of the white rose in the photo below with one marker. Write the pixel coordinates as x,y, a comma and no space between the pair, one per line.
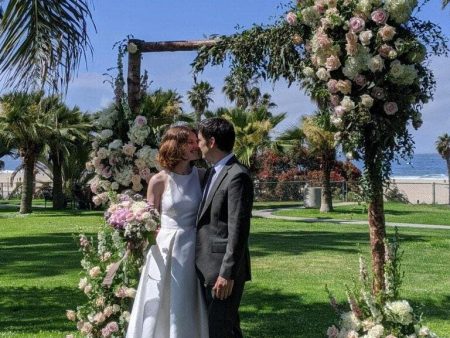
365,37
323,74
366,100
376,63
347,104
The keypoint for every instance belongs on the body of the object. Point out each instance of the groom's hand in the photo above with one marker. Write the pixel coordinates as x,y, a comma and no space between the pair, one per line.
223,288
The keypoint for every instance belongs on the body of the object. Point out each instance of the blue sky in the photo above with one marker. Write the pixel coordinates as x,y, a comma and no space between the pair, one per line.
178,20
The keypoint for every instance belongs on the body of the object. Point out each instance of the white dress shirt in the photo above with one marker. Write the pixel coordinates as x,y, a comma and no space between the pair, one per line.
218,168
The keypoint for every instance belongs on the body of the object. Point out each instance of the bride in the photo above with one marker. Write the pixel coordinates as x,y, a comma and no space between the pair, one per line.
169,302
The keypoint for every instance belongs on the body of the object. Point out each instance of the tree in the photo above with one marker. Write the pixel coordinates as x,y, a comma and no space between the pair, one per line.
443,148
42,42
200,97
321,144
67,128
313,46
23,127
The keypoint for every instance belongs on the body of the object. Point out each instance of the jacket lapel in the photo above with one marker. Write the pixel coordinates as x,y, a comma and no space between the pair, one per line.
216,184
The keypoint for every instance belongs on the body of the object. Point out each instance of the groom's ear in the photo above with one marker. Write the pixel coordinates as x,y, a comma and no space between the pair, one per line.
212,141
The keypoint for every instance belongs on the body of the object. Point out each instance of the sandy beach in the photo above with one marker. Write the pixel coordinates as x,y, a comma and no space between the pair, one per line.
426,190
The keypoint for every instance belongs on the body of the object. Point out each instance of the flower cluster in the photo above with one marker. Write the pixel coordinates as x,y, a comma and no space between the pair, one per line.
369,63
111,267
378,317
120,164
133,219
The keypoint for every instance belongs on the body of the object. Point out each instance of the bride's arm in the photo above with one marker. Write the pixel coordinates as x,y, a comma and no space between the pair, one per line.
156,187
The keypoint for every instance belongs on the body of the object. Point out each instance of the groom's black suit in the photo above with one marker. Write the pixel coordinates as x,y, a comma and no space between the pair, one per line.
223,227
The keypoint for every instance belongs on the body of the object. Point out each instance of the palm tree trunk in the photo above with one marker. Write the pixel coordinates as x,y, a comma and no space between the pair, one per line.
29,161
58,194
326,202
377,226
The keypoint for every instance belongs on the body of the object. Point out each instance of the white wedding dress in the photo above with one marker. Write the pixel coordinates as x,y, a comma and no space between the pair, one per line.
169,302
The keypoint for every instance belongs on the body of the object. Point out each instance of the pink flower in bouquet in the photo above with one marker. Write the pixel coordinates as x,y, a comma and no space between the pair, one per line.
87,328
344,86
339,111
335,100
390,108
319,6
106,172
386,33
332,63
119,218
384,50
332,332
97,200
121,292
360,80
331,85
95,272
291,18
323,40
99,317
140,121
113,327
84,242
96,161
379,16
88,289
105,332
356,24
108,311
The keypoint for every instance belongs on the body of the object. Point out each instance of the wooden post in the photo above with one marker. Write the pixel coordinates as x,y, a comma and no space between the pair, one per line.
134,74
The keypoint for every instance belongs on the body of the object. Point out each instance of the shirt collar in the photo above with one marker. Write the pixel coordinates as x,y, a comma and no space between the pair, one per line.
219,165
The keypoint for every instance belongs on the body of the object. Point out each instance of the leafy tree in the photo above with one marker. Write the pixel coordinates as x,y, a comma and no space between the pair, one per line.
42,42
23,127
321,144
443,148
67,128
200,98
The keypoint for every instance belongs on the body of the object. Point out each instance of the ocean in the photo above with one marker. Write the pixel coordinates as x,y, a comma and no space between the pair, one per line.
422,166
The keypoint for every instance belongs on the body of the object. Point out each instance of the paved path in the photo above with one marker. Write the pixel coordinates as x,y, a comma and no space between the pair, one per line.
268,213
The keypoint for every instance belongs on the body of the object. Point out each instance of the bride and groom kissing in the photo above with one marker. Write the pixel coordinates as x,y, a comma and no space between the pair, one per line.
193,279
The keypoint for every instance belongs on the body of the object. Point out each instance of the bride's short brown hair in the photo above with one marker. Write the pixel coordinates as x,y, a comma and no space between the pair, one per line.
171,147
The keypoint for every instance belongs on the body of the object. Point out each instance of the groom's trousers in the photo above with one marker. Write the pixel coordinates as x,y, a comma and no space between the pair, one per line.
223,316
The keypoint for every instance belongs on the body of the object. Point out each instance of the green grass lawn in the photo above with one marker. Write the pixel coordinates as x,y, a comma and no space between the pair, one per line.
291,263
394,212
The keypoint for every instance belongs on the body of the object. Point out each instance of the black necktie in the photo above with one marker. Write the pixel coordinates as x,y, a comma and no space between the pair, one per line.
207,185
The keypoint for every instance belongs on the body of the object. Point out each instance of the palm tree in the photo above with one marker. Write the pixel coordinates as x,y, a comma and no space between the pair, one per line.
443,148
22,127
68,126
200,98
42,42
321,143
252,131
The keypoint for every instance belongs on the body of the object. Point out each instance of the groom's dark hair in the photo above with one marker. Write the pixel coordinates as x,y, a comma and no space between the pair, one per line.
222,130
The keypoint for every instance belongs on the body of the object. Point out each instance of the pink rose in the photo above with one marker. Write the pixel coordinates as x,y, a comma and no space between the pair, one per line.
379,16
319,6
390,108
323,40
332,63
140,120
105,332
335,100
384,50
331,84
99,317
86,328
339,111
291,18
386,33
113,327
356,24
106,172
360,80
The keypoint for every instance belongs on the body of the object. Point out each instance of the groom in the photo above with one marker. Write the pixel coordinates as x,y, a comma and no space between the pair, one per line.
223,224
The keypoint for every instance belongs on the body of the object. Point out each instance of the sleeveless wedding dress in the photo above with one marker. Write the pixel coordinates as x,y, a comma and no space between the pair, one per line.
169,301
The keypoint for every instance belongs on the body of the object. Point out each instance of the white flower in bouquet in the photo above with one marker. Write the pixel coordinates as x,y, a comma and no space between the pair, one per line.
123,175
82,284
95,272
347,104
102,153
116,144
376,64
400,10
376,332
365,37
125,316
87,289
108,311
323,74
366,101
386,33
115,186
116,308
138,135
350,321
308,72
106,134
310,16
336,121
86,328
399,312
364,6
71,315
148,154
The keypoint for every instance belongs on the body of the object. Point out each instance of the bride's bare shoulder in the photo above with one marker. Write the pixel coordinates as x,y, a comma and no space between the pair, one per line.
158,181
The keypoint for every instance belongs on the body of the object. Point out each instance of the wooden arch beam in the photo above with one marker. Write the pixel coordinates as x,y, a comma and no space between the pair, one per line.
135,50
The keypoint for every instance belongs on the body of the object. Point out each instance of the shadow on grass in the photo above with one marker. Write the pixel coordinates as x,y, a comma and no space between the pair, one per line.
274,313
297,242
39,256
34,309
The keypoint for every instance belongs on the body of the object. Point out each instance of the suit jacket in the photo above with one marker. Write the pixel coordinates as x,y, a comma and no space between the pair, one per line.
223,226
